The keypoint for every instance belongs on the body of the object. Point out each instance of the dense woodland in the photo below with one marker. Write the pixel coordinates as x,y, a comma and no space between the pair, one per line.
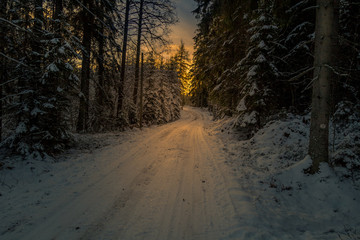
269,147
77,66
254,60
267,53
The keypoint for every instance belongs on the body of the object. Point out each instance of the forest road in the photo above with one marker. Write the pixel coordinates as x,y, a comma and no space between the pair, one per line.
167,183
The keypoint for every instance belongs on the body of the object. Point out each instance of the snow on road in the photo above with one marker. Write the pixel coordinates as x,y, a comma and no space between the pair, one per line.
190,179
165,182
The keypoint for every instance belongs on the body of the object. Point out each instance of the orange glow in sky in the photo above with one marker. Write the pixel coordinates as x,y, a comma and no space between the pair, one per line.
185,28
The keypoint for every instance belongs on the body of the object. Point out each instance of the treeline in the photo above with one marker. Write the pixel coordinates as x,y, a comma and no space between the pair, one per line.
258,60
254,59
75,66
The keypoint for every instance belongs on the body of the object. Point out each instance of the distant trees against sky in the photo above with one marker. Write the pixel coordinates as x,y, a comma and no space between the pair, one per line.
255,60
64,69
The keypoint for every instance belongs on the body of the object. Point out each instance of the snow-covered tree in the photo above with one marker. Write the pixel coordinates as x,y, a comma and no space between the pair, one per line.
161,97
259,73
152,29
296,21
181,64
348,64
220,44
44,81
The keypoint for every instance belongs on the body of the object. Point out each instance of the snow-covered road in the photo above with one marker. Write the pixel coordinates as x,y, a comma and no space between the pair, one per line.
190,179
164,182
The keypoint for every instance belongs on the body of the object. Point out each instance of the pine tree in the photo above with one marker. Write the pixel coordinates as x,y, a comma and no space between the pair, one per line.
161,97
182,67
105,50
58,80
348,57
152,28
295,45
45,77
259,71
221,35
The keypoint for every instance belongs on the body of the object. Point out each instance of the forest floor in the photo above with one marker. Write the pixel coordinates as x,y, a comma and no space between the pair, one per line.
190,179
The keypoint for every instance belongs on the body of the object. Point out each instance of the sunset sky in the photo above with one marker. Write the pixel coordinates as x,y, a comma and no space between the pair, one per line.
185,28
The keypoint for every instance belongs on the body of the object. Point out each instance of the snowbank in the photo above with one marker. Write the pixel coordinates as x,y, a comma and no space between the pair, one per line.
284,202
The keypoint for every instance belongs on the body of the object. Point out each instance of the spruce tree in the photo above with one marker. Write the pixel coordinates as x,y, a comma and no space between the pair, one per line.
259,71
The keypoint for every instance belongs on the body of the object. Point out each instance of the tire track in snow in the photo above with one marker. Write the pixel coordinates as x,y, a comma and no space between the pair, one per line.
162,184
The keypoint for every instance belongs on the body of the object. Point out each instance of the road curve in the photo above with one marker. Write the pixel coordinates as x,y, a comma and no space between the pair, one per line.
163,184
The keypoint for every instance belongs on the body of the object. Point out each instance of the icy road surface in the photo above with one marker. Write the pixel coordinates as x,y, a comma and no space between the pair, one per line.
165,182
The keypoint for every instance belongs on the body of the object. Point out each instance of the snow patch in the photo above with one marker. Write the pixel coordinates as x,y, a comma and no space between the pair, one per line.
21,128
241,106
270,168
52,68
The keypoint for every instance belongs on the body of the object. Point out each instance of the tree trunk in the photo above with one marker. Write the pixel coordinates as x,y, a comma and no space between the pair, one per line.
2,81
138,47
38,27
100,88
123,61
87,18
36,59
101,70
3,71
141,90
325,40
56,80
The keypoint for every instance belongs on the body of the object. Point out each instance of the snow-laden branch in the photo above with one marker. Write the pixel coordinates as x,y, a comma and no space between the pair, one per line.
7,82
336,72
301,74
14,25
311,83
13,59
15,95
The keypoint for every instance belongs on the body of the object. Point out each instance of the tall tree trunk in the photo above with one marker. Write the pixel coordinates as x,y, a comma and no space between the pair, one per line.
325,40
37,30
36,59
2,81
100,89
141,90
56,81
87,18
3,70
138,47
123,60
100,61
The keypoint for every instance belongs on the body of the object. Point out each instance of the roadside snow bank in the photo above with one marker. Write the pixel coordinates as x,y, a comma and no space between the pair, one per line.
287,203
30,189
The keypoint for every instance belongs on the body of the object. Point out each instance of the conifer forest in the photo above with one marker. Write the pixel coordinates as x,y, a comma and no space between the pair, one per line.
179,119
